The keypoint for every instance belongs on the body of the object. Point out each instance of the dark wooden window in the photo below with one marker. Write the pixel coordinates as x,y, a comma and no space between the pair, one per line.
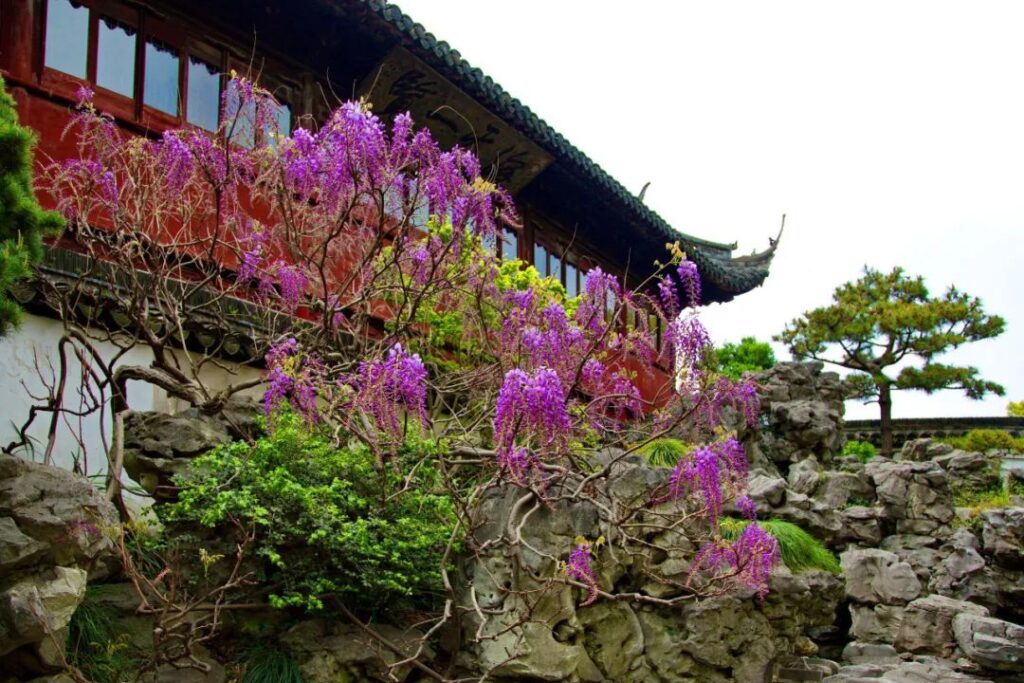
146,69
509,244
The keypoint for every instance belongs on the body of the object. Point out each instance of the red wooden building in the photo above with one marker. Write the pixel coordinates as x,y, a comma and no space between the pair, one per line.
158,64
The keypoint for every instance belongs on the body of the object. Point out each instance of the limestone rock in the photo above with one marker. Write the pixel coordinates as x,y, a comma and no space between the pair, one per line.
765,489
915,494
972,471
992,643
52,516
918,450
878,577
875,623
927,625
860,524
332,652
870,653
1002,536
39,605
157,446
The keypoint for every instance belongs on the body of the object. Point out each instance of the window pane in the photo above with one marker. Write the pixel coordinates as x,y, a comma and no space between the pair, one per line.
556,267
161,87
540,259
67,37
509,245
283,117
572,288
203,94
115,58
239,122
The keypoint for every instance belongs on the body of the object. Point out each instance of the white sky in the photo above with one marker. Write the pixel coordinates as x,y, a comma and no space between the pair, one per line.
890,133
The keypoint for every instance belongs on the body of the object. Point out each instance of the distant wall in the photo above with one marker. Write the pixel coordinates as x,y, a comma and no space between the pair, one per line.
33,348
905,429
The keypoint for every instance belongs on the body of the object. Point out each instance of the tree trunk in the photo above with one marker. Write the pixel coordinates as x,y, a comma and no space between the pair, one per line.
885,425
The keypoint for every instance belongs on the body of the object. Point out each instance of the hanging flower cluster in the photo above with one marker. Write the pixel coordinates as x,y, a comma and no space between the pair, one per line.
531,409
294,377
578,569
748,560
711,471
384,388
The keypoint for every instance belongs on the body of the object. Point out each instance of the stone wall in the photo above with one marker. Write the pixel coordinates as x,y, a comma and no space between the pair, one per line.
929,592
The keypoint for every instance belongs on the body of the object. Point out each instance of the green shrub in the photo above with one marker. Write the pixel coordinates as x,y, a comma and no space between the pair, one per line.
665,452
1015,409
862,450
326,520
750,355
981,440
799,550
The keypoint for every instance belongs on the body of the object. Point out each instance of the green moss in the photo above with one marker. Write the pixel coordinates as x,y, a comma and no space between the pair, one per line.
800,551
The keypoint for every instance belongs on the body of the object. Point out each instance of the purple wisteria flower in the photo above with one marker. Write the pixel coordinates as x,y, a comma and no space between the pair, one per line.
578,568
690,279
748,560
747,507
531,407
709,471
176,160
292,377
385,387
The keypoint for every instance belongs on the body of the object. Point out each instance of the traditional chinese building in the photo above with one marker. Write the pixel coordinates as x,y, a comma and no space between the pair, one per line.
158,64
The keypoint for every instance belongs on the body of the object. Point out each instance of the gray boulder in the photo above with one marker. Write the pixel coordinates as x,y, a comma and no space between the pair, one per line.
1002,536
50,516
927,625
876,576
39,606
992,643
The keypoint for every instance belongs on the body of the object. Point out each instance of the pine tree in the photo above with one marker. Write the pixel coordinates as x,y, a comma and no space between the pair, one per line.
23,223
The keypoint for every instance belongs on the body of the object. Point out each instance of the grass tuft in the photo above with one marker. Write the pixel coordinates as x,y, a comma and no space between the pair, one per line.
97,646
264,664
800,551
665,452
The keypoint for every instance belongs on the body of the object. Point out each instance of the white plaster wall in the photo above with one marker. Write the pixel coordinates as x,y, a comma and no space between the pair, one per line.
35,343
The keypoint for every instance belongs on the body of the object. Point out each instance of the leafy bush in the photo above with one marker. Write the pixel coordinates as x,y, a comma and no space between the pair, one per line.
982,440
665,452
750,355
800,551
1015,409
326,519
862,450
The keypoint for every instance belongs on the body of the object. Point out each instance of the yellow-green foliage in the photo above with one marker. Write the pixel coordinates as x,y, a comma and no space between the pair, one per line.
982,440
665,452
799,550
1015,409
862,450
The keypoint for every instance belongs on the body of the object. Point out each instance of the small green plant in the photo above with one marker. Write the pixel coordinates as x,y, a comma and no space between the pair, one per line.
1002,496
265,664
800,551
862,450
326,519
982,440
858,501
1015,409
665,452
97,646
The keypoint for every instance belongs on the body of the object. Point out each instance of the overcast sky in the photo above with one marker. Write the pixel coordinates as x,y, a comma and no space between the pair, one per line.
890,133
